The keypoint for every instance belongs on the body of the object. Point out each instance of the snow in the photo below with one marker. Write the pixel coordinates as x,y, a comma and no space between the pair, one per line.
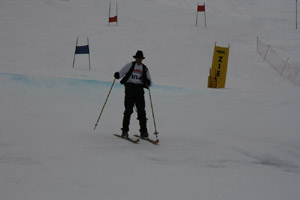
241,142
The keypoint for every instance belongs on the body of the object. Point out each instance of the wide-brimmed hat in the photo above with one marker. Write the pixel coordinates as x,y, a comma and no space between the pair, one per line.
139,54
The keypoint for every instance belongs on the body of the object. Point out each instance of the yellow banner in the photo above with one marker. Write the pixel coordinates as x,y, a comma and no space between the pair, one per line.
218,70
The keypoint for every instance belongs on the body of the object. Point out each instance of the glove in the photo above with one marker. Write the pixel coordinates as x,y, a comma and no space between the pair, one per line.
148,82
117,75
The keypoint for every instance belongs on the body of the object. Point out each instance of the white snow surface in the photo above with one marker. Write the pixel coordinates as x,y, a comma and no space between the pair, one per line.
237,143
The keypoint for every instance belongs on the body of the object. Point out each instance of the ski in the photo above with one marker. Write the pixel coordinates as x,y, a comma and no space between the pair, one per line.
129,139
148,139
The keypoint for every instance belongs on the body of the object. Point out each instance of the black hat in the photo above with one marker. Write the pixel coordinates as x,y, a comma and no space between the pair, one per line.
139,54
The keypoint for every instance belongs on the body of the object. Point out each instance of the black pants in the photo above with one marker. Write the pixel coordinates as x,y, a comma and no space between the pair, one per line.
134,95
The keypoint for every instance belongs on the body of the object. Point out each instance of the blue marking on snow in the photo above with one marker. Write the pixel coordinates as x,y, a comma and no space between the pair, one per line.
75,83
16,77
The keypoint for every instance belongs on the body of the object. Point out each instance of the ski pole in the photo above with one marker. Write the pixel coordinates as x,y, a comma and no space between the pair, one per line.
155,133
104,104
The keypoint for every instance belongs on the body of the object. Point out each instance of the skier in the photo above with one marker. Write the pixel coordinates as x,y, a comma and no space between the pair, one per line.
135,77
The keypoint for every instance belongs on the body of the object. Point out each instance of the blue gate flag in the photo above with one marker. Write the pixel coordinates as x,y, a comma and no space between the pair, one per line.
82,49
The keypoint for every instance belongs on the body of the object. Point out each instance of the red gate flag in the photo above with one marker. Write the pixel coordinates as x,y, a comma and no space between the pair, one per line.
201,8
113,19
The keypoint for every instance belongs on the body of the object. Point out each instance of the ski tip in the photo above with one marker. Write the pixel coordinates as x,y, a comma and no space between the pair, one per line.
156,141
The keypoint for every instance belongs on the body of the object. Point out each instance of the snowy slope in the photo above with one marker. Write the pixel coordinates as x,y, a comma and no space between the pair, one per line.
241,142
